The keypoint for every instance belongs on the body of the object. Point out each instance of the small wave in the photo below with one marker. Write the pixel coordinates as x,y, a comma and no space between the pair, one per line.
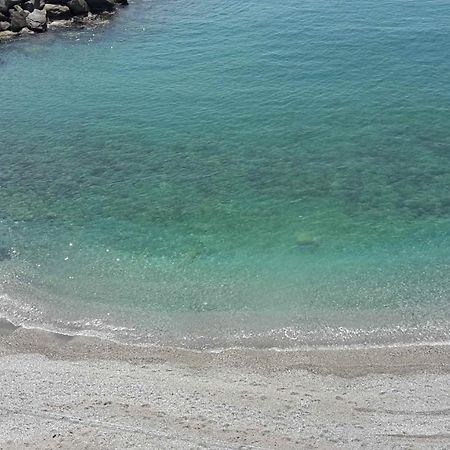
183,332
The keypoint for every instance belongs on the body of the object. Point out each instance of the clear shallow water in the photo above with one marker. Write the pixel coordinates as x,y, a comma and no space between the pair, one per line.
231,173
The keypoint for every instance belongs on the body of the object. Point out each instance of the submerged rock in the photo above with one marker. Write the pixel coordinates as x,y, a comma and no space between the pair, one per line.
78,7
37,21
306,241
5,253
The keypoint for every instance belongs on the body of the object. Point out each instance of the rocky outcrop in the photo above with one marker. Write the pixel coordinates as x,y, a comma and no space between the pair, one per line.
19,17
37,21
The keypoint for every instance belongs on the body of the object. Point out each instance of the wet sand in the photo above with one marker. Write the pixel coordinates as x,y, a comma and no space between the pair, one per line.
68,392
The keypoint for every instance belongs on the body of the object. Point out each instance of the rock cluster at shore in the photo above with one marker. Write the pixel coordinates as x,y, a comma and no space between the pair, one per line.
34,16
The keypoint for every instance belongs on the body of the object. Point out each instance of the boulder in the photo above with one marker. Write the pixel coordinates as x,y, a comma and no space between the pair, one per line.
57,12
18,18
3,7
3,17
37,21
97,6
28,6
4,26
78,7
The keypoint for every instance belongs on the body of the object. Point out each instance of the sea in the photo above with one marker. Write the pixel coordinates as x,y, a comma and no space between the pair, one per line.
212,174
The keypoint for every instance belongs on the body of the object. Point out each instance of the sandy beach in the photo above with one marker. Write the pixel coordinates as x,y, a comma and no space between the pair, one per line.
224,224
79,393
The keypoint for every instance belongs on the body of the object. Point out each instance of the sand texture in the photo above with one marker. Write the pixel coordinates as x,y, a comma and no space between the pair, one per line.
59,392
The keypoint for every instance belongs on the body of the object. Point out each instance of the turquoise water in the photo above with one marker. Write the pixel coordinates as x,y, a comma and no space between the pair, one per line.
217,173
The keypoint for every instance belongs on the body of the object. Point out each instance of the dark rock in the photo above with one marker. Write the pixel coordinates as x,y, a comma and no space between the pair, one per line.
11,3
5,253
57,2
39,4
3,17
4,26
37,21
57,12
28,6
122,2
78,7
97,6
18,18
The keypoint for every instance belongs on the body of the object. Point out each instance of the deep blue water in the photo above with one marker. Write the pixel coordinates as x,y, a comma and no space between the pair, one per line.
230,172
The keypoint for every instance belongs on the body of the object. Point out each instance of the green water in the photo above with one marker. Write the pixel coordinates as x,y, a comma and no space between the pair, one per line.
231,173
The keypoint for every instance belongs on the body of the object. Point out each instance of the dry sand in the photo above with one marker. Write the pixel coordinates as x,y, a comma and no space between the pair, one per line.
83,393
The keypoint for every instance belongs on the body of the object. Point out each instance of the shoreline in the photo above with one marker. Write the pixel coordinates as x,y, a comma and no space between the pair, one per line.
215,331
75,392
343,361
